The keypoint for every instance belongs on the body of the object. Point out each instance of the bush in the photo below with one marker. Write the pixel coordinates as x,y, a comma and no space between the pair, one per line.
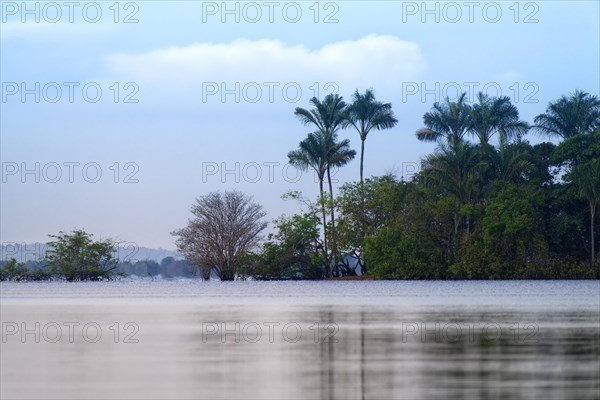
393,255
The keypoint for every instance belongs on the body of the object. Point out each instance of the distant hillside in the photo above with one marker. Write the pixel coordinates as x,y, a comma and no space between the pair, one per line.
24,252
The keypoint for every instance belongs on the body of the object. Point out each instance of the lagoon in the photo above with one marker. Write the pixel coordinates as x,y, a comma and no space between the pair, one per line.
188,339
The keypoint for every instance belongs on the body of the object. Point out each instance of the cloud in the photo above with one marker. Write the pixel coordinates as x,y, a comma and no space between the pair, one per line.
372,61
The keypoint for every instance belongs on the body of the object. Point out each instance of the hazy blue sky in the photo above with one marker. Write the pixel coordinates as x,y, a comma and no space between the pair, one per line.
190,88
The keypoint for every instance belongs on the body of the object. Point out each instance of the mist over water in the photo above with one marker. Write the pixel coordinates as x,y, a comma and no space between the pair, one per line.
186,339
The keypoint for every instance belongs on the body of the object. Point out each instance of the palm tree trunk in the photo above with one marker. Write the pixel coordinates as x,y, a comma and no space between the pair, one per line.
327,272
333,231
362,157
592,217
456,224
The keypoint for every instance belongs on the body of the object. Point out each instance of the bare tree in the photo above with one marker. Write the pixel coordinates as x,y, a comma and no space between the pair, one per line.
224,227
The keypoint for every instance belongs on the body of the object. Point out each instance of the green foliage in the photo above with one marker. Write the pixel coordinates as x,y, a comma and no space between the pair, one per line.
416,239
14,271
494,115
509,239
392,254
77,257
291,253
365,114
484,212
577,114
30,271
577,149
364,208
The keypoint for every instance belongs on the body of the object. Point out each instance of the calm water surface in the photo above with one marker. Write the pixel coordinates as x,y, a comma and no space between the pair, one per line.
186,339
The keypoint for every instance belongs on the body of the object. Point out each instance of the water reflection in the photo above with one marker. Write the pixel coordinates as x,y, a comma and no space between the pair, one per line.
387,355
195,349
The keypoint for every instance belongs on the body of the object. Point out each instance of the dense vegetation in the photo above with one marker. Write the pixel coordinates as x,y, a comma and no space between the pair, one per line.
486,204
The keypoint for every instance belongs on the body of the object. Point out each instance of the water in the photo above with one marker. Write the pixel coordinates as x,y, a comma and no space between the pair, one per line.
300,340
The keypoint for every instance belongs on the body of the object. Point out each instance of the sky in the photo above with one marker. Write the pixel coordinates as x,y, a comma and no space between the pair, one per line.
115,116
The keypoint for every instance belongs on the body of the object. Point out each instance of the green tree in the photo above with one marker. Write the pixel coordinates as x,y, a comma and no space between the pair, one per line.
448,120
329,116
457,171
577,149
393,254
339,154
586,181
495,115
364,208
14,271
290,253
513,163
416,239
312,153
509,242
365,114
580,156
76,256
569,116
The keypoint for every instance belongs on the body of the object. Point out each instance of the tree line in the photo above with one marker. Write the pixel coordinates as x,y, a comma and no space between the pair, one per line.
486,204
76,256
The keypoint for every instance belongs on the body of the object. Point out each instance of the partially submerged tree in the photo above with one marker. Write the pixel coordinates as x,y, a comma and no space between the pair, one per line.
77,257
225,226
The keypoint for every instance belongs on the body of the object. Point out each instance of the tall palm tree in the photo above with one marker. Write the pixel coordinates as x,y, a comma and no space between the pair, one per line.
328,116
366,113
448,120
569,116
338,155
491,115
586,180
312,153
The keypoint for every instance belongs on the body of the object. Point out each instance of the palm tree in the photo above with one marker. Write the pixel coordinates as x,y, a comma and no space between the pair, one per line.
457,170
491,115
513,163
311,153
586,180
366,113
328,116
570,116
448,120
338,155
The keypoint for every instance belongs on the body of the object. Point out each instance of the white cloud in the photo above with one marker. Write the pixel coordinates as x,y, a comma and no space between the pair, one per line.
382,62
